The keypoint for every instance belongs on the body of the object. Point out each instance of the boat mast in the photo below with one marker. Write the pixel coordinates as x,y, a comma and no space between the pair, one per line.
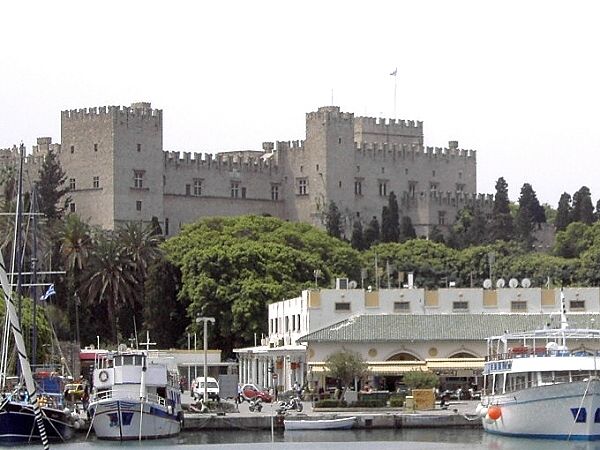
563,316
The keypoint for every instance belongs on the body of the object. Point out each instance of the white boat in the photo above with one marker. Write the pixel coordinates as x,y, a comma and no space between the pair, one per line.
136,396
343,423
543,383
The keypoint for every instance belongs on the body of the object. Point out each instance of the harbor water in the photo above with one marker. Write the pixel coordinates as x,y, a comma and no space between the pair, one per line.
397,439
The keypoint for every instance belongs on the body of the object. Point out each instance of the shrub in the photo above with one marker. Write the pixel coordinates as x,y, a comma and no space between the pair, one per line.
330,403
373,403
397,401
416,379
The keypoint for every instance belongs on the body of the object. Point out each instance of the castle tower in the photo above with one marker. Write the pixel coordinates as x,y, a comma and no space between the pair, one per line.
113,159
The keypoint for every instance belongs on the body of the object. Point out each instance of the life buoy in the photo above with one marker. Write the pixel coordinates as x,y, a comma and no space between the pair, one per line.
103,376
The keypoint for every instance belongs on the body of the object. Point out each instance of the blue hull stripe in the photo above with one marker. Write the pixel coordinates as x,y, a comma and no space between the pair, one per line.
558,437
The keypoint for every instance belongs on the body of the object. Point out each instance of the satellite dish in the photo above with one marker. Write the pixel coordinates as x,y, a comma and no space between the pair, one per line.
513,283
500,283
352,284
487,283
122,348
526,282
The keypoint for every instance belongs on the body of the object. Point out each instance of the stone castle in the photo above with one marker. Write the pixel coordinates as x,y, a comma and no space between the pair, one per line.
118,171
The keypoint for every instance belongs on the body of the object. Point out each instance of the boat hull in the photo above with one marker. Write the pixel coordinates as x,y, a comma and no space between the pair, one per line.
130,419
18,425
558,411
320,424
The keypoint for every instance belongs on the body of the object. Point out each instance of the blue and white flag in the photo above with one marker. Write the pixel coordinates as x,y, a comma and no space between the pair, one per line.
48,293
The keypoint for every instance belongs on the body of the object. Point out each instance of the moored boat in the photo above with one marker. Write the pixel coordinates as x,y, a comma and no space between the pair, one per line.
343,423
543,383
136,396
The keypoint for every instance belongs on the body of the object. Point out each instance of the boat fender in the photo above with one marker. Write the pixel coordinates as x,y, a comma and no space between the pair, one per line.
170,409
494,412
103,376
483,411
77,425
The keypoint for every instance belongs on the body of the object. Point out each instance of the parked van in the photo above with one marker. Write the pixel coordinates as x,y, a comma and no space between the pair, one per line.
212,388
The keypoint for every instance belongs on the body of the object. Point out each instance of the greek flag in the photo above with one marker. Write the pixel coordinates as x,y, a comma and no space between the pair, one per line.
395,72
48,293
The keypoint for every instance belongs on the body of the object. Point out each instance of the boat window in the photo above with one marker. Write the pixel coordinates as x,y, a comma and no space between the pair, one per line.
118,361
562,376
579,375
128,360
516,381
548,378
498,387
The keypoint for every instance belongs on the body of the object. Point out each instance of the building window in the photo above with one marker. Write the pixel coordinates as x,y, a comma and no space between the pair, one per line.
339,140
301,169
302,184
383,188
518,306
243,192
72,149
433,187
405,171
357,169
138,205
460,188
339,184
412,188
577,305
460,175
342,306
357,187
460,306
317,167
402,306
72,184
166,226
383,170
235,189
72,207
188,189
95,147
197,187
96,182
433,173
441,217
138,179
139,147
274,192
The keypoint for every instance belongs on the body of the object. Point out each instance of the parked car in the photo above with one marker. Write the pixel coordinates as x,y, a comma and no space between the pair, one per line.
252,392
212,388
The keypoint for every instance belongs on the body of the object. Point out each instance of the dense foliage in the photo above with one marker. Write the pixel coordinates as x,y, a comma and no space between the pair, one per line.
346,366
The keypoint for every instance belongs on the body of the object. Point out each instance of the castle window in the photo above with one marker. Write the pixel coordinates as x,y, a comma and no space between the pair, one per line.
383,188
301,169
235,189
339,184
433,187
441,217
357,213
317,167
138,179
460,188
188,189
96,182
95,147
72,207
138,205
433,173
139,147
197,187
412,188
357,169
166,226
243,192
72,149
274,192
405,171
383,170
339,140
460,174
358,187
302,185
72,184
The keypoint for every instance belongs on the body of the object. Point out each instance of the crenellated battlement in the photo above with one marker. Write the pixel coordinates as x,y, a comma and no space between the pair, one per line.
243,161
414,150
10,156
453,199
389,126
140,109
288,145
329,113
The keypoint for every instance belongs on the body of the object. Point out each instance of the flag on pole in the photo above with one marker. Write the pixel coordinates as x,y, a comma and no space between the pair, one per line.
48,293
395,72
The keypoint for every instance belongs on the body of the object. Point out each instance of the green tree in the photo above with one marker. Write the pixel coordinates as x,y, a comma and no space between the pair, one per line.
390,220
583,209
407,231
50,187
436,235
357,240
574,240
417,379
334,221
470,228
528,215
346,366
501,226
563,213
372,234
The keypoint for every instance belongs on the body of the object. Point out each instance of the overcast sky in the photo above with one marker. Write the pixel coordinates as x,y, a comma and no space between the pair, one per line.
518,81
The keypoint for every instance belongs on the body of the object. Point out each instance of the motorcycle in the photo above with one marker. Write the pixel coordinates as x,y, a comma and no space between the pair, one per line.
293,404
255,405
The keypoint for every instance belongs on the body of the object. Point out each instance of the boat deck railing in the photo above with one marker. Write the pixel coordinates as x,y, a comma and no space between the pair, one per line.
533,352
520,383
120,395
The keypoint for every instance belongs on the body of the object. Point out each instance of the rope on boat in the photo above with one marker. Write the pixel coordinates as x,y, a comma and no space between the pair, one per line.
579,409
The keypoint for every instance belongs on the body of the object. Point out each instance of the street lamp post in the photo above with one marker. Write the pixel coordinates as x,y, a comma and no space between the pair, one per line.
205,320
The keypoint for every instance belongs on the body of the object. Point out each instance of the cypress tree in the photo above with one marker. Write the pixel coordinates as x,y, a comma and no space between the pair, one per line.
502,224
334,221
583,209
357,241
407,231
563,212
49,187
371,235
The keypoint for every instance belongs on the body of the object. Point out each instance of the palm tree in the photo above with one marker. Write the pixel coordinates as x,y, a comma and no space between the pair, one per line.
111,278
141,245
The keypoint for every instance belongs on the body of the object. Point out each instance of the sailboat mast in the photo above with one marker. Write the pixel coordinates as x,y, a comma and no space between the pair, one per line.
34,276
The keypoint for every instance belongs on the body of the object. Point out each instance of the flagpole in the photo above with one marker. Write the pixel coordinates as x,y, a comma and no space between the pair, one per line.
395,85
